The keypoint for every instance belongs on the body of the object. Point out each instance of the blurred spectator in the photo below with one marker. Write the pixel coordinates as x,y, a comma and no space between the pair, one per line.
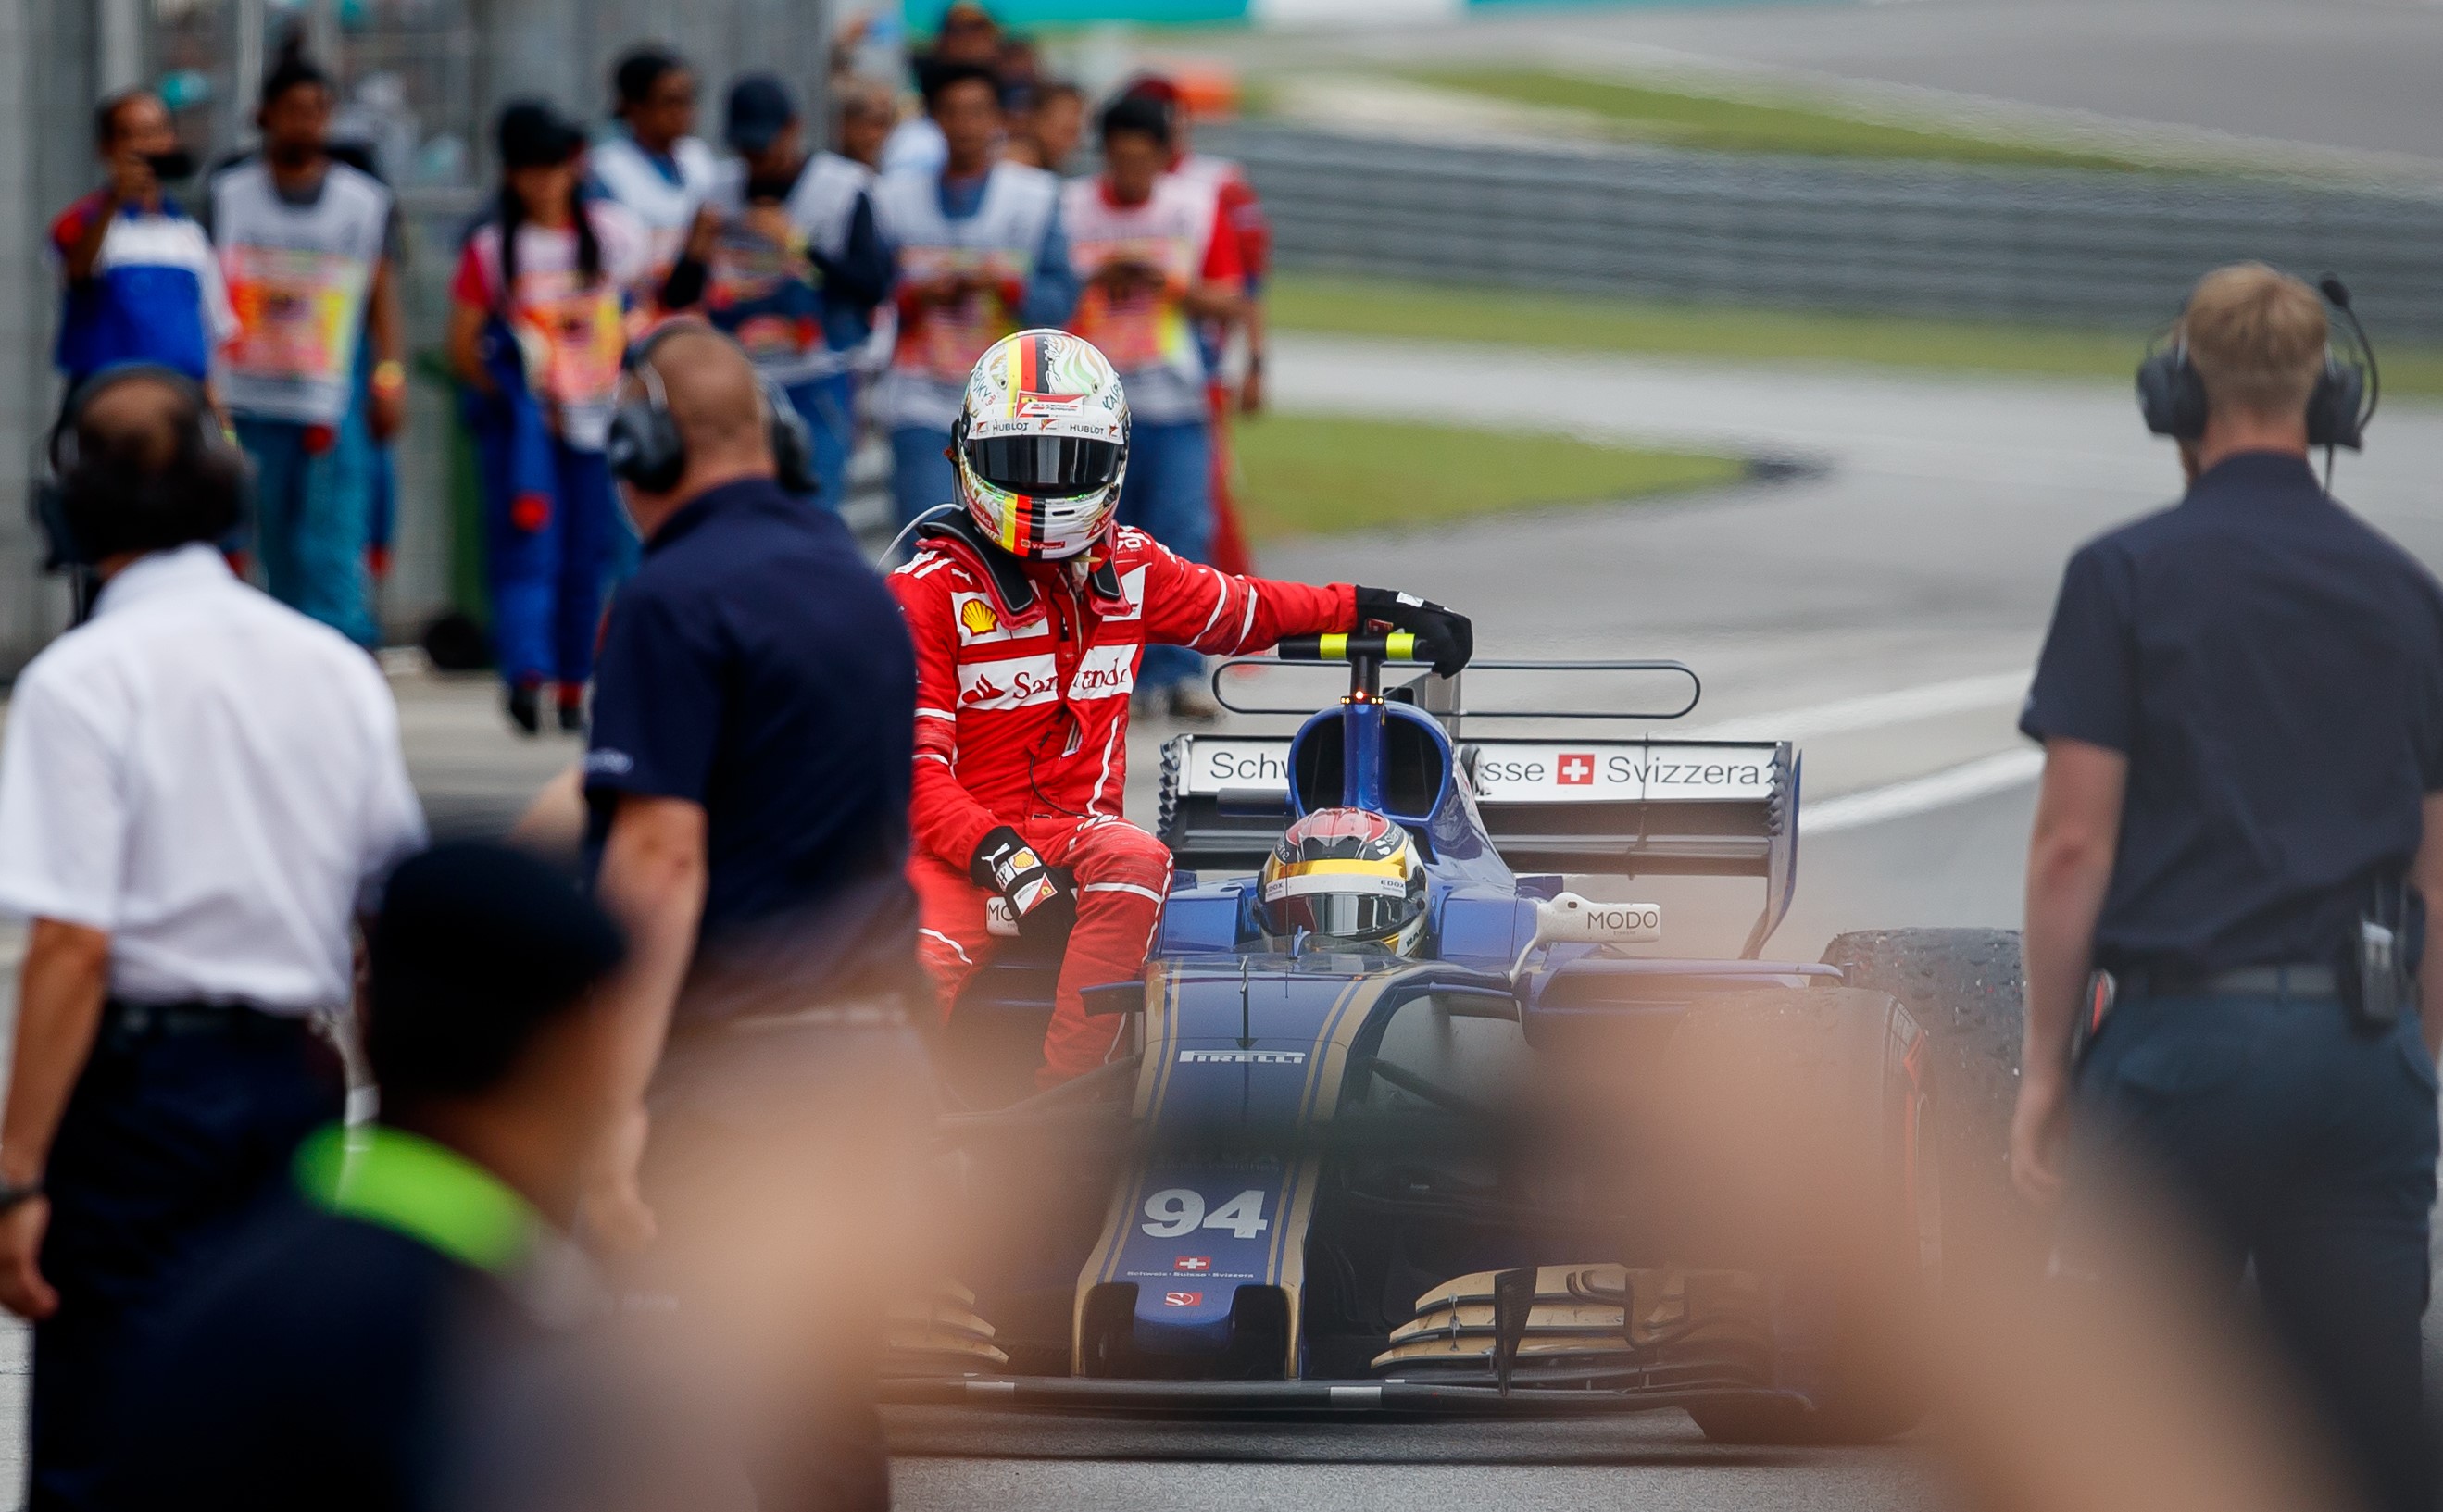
537,328
307,249
2241,703
1154,259
198,789
790,266
1021,68
142,284
375,1334
749,784
379,117
653,162
866,114
1049,128
1242,214
978,253
969,38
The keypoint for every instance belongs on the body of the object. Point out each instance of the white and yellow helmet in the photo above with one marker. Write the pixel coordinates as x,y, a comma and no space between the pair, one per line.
1041,445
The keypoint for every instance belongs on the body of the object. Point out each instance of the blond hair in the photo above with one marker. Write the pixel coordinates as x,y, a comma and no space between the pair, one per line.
2257,337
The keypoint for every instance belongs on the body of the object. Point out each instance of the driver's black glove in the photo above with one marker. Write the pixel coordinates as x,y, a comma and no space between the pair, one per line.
1042,903
1444,635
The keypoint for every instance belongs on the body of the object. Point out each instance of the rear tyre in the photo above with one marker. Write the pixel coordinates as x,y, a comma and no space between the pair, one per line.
1967,988
1794,1141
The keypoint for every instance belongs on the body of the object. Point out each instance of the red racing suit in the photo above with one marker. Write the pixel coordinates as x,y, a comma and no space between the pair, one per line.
1023,671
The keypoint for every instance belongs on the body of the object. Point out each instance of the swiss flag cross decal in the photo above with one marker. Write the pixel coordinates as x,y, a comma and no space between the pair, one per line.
1192,1263
1183,1299
1576,771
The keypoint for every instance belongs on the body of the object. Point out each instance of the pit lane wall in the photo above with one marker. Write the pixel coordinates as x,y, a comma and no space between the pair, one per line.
2098,249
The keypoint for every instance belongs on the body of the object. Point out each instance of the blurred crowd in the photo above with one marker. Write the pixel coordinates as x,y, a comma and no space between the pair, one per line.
865,260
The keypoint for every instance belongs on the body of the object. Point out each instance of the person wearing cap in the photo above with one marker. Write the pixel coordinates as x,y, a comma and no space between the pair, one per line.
199,790
306,252
791,265
538,327
378,1333
651,162
978,254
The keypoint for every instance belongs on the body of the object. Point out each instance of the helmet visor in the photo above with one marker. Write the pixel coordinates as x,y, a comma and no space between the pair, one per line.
1044,467
1342,900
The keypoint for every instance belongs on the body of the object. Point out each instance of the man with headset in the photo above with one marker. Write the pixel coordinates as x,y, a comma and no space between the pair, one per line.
2241,704
748,785
198,791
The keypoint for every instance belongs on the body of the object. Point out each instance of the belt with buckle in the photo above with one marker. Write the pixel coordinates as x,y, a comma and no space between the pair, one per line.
2244,982
137,1021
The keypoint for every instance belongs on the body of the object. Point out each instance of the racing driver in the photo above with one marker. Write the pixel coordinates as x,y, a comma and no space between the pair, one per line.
1030,609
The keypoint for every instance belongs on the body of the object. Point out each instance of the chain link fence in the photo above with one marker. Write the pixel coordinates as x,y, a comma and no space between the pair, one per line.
2085,248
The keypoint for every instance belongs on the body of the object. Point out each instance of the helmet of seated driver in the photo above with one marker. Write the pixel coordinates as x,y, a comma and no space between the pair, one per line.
1042,443
1347,876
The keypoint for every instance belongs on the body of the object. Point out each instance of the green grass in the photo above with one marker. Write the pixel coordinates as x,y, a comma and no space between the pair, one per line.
1297,301
1314,474
1673,119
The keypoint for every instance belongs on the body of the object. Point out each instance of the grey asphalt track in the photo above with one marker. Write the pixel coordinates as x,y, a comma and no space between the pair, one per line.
2351,74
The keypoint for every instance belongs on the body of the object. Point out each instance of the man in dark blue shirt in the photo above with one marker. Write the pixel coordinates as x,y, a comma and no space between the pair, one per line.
2241,704
748,776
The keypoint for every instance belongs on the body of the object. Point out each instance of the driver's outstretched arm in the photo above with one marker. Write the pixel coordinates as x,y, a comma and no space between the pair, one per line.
1189,604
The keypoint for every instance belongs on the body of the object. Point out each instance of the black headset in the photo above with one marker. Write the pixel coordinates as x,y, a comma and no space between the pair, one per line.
2172,397
646,449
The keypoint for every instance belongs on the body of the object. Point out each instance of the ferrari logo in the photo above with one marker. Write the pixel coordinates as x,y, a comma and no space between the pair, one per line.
976,618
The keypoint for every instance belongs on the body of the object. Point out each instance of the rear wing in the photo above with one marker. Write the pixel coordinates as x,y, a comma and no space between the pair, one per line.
1611,808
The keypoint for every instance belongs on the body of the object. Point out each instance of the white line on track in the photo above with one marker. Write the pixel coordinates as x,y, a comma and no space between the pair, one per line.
1874,710
1940,790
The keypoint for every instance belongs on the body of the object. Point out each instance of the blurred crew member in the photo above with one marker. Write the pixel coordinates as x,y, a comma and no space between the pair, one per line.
197,788
141,282
1031,609
373,1336
1239,213
1155,262
978,254
653,162
790,266
2241,704
748,793
1049,128
969,39
537,327
306,249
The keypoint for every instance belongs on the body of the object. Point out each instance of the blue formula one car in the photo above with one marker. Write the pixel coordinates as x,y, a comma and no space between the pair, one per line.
1535,1165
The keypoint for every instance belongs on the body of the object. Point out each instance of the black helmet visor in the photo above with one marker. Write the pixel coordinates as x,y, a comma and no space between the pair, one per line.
1045,466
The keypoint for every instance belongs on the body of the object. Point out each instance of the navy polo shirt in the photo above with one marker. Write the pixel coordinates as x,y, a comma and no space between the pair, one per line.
756,665
2272,667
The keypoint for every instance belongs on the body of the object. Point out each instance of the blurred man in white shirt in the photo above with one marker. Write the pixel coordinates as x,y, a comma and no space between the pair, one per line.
197,789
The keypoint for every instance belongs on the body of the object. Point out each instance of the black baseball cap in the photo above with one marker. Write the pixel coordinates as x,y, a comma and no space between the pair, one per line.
761,107
532,135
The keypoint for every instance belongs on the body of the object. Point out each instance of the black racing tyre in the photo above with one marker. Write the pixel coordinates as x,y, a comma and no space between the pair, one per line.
1794,1128
1967,987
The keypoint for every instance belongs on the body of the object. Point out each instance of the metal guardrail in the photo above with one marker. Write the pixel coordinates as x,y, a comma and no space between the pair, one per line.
2090,248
